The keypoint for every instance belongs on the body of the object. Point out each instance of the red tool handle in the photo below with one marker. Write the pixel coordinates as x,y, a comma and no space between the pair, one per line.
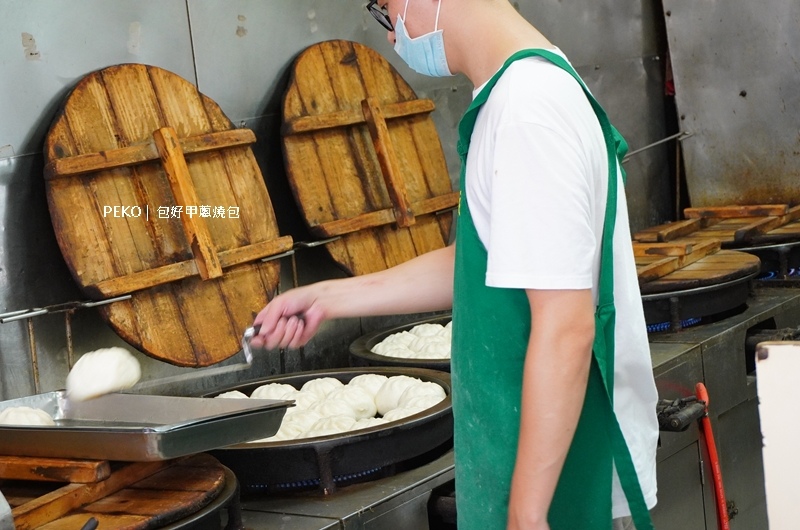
716,471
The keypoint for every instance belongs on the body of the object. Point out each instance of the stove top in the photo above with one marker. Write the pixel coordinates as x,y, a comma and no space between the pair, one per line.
376,504
712,351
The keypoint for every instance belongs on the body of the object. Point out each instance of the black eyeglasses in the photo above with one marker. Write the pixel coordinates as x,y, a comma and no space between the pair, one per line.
380,14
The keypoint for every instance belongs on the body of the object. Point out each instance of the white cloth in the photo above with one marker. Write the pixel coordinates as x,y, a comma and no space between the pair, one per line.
536,184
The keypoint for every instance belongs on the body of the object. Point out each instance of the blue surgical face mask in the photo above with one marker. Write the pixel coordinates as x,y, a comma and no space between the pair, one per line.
425,54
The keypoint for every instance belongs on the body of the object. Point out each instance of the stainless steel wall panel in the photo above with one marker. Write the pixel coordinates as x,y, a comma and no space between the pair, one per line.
736,66
629,90
32,271
739,444
596,32
680,492
677,368
47,45
244,48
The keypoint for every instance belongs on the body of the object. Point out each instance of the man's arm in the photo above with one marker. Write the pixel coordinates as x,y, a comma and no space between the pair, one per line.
422,284
554,385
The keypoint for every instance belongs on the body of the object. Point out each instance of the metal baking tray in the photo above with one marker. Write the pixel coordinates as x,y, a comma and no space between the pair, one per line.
138,428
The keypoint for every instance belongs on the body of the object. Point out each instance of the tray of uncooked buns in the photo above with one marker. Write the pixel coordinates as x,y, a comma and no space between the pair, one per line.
131,427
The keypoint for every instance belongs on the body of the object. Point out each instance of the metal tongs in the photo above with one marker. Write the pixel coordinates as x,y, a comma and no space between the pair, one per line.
199,373
249,333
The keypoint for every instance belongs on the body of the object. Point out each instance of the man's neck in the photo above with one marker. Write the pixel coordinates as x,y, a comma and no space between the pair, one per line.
487,35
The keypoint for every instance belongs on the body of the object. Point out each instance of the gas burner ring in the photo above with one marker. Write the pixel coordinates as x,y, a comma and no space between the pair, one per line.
675,307
667,326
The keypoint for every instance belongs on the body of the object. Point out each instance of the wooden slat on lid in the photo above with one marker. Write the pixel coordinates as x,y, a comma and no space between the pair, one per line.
139,496
216,223
655,260
756,210
363,158
53,469
735,226
714,269
60,502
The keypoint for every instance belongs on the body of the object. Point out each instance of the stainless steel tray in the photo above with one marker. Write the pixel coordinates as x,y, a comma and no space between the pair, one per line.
132,427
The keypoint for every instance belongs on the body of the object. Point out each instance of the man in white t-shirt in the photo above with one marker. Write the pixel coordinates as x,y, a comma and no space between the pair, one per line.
533,210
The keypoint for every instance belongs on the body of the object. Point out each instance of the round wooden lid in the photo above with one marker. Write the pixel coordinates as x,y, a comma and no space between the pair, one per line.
364,159
153,192
665,274
138,496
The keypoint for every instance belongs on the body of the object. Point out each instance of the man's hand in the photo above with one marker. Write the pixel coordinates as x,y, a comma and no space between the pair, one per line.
424,283
290,319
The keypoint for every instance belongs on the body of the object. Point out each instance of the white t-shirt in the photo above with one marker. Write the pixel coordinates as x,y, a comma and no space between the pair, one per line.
536,184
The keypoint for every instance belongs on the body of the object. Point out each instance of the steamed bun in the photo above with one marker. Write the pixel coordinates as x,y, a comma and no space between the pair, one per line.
303,418
423,341
101,372
233,394
423,402
389,394
332,425
303,400
401,412
369,382
366,423
322,386
25,416
394,350
358,399
287,431
329,408
421,389
272,391
404,338
427,330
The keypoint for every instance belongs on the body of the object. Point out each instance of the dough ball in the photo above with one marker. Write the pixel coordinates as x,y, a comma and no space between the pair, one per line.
331,408
424,402
332,425
436,350
233,394
426,330
287,431
304,418
302,400
357,398
25,416
367,423
322,386
403,338
397,350
418,390
401,412
101,372
392,349
421,343
369,382
449,326
389,394
272,391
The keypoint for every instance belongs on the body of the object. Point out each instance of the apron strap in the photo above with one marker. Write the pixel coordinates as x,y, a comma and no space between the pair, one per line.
603,349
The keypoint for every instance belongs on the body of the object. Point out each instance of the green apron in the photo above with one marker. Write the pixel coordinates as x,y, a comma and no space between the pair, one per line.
491,327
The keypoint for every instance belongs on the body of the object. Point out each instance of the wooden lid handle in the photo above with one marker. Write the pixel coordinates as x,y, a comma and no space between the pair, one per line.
171,153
